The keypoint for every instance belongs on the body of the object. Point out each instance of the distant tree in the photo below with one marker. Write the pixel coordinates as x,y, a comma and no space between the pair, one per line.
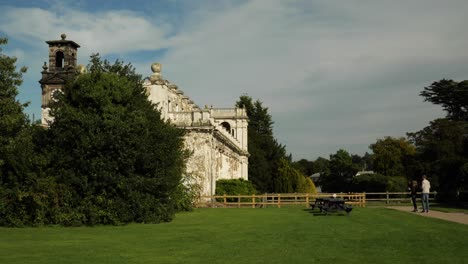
451,95
304,166
265,151
392,155
368,162
443,153
378,183
292,180
358,161
321,165
442,147
116,159
342,170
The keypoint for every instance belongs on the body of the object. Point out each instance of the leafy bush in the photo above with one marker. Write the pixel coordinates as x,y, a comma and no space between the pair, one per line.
378,183
234,187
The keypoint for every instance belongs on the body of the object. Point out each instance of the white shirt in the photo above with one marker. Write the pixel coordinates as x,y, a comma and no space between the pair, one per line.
426,186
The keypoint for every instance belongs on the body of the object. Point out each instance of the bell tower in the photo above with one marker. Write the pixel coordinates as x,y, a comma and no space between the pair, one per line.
62,66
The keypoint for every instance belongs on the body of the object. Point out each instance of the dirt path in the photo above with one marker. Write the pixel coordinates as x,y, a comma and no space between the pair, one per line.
454,217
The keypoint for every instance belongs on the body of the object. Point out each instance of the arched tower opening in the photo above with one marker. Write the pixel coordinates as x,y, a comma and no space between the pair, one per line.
59,60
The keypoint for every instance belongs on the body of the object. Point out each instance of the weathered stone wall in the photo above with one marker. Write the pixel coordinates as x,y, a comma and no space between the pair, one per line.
216,137
211,159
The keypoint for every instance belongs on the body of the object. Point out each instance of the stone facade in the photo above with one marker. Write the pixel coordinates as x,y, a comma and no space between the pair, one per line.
215,137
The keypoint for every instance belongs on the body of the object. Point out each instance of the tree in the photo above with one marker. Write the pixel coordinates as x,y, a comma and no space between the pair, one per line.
442,146
451,95
12,118
265,151
304,166
18,179
342,170
392,155
291,180
443,153
114,157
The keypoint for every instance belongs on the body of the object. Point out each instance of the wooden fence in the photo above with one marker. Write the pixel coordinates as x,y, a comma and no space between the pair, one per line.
277,200
394,197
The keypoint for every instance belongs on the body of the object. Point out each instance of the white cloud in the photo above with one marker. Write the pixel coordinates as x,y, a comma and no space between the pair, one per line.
331,73
115,31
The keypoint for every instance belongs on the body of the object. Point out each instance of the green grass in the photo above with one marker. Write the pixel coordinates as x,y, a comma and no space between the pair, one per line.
448,208
271,235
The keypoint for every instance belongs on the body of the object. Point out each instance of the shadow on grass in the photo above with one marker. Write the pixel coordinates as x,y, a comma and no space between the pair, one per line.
316,212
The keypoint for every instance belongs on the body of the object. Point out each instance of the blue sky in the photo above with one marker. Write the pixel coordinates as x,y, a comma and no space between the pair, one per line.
334,74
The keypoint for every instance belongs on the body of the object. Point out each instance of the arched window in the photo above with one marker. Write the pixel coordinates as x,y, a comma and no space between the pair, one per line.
59,59
226,126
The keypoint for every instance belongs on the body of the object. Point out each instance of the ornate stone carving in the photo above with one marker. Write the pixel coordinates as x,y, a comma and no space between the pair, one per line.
156,77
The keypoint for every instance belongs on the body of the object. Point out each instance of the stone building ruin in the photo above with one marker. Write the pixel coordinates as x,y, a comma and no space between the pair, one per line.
215,137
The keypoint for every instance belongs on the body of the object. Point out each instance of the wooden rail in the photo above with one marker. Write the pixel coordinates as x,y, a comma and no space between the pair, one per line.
395,197
276,199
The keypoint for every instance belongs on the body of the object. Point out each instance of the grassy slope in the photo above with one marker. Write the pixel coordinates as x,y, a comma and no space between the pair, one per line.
286,235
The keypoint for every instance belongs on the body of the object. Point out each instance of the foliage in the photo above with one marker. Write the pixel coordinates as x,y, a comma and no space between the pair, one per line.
443,150
265,151
442,147
391,155
306,167
117,161
21,199
370,183
451,95
291,180
234,187
342,170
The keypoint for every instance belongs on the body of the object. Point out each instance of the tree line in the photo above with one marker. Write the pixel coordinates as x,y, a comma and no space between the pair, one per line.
440,151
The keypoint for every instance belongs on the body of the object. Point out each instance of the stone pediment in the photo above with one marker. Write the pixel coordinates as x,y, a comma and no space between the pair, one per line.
53,79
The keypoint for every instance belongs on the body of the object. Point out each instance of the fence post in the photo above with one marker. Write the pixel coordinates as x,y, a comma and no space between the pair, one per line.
364,199
388,198
253,200
225,200
279,200
238,201
307,199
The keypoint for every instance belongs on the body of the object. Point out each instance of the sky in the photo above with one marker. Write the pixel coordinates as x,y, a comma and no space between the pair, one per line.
333,74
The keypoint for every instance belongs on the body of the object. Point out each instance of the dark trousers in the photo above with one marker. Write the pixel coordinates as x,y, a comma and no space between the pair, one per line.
413,199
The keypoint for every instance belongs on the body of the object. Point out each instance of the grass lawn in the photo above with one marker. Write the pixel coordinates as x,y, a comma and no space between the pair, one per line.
271,235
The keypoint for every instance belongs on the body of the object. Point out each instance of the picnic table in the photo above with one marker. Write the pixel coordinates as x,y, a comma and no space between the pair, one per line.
331,205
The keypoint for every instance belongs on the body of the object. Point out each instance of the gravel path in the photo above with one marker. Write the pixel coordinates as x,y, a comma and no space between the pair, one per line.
454,217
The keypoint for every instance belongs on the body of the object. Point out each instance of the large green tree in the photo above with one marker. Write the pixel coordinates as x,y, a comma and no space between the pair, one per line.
443,154
12,119
442,147
265,151
392,156
115,158
17,157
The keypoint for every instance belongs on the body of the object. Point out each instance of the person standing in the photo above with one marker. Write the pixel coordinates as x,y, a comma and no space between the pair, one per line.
413,189
425,186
